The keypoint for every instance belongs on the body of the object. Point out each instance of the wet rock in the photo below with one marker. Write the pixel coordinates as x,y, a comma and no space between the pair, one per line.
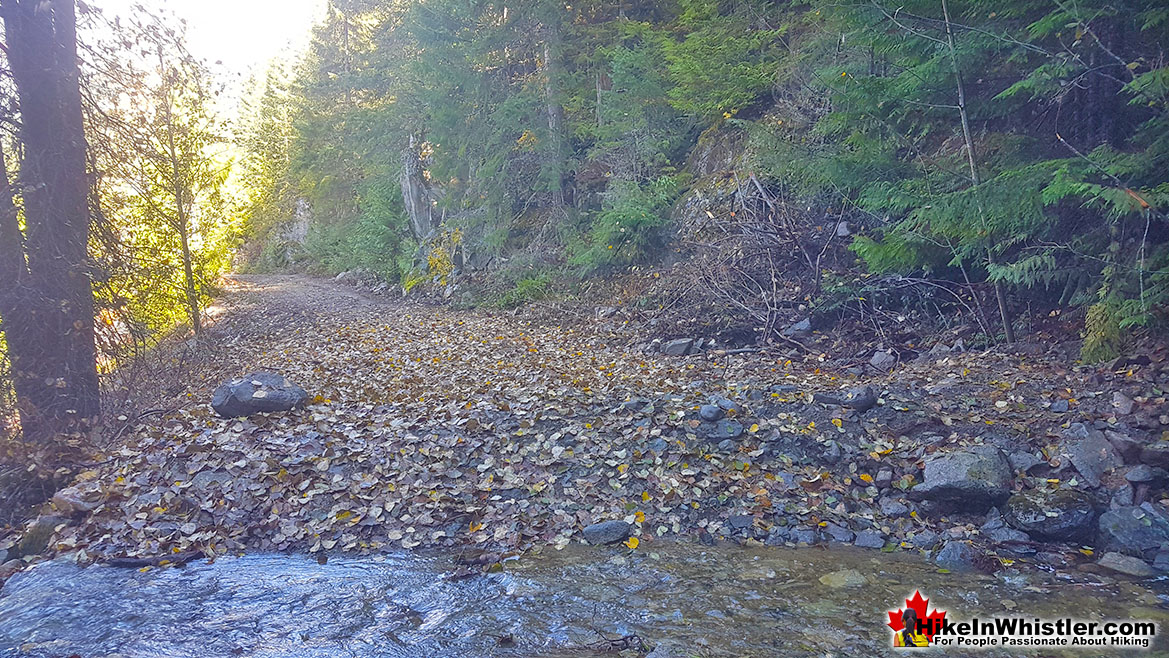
969,480
870,539
1126,564
1065,515
1091,453
77,500
1121,403
839,534
36,538
711,412
893,508
883,360
844,578
255,393
1137,531
957,556
678,347
607,532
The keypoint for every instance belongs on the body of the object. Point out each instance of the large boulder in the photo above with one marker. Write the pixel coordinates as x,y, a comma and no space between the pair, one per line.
256,393
607,532
972,480
1137,531
1060,516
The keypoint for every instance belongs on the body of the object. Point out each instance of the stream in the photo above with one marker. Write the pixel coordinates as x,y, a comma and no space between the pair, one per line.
711,601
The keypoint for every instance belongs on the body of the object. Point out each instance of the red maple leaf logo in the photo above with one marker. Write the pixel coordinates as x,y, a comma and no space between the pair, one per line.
931,623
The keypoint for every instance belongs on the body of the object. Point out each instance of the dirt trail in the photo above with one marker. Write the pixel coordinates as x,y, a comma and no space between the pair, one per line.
435,427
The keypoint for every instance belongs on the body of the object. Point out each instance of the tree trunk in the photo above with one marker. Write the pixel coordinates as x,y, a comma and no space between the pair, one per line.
415,192
50,323
555,153
999,290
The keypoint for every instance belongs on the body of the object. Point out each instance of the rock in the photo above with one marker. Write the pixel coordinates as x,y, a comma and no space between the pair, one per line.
1137,531
1121,403
804,536
842,229
883,361
728,445
924,539
799,328
1023,462
844,578
659,445
861,398
726,404
870,539
1140,473
1127,447
8,568
833,452
741,521
957,556
1161,561
1091,453
36,538
893,508
607,532
971,480
669,651
839,533
1126,564
727,429
76,500
711,412
678,347
1155,454
1123,496
256,393
606,312
1059,406
1065,515
884,478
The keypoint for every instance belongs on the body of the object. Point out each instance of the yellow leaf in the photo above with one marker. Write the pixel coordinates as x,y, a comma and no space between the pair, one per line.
837,422
639,517
632,542
474,527
866,477
1087,551
754,428
645,496
622,468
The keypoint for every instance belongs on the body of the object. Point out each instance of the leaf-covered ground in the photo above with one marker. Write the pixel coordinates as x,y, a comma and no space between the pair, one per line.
433,427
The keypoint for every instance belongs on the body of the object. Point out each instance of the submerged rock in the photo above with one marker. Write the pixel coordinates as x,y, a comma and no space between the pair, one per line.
957,556
970,480
844,578
607,532
255,393
1126,564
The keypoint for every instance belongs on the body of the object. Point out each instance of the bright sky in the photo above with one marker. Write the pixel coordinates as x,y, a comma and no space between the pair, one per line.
243,34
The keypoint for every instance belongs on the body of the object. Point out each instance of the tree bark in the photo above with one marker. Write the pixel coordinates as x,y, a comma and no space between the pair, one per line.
999,290
555,112
53,356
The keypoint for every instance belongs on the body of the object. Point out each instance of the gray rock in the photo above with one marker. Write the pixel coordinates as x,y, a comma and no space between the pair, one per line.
1155,454
255,393
1126,564
799,328
957,556
1141,473
1065,515
1091,453
741,521
1004,534
668,651
970,480
844,578
678,347
1161,560
1127,447
839,534
607,532
883,361
1123,496
861,398
1059,406
804,536
884,478
1137,531
893,508
870,539
1023,462
77,500
1121,403
924,539
36,539
711,412
728,445
727,429
778,536
658,445
726,404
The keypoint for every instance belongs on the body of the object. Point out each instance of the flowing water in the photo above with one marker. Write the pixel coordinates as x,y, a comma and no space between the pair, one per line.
709,601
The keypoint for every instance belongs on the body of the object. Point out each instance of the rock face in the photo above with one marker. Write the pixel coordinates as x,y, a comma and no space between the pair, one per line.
1061,516
607,532
256,393
973,480
1137,531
